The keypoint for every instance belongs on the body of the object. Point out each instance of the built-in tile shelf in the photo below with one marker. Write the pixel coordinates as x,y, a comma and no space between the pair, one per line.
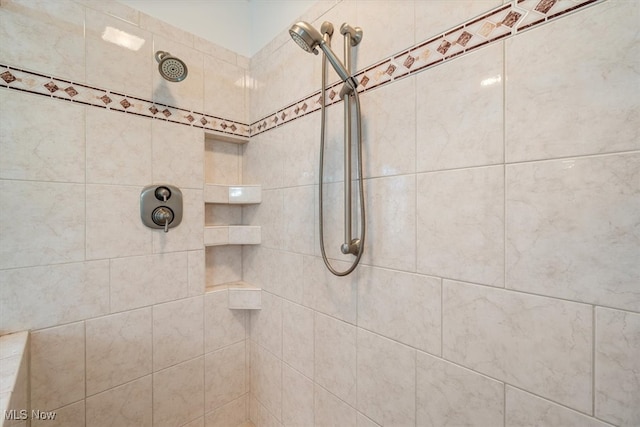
217,235
14,375
232,194
240,295
226,138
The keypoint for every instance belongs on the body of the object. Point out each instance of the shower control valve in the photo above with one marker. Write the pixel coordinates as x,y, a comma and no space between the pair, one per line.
161,206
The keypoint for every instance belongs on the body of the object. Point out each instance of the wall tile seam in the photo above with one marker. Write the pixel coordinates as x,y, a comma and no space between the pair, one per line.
395,69
128,382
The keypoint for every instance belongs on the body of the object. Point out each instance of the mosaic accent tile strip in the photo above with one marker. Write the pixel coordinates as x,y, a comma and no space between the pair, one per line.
503,21
40,84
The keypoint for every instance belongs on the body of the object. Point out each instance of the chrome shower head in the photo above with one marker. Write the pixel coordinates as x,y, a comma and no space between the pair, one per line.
170,67
308,38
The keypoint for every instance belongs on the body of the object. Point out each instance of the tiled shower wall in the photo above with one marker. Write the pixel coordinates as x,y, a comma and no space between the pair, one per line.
500,283
123,333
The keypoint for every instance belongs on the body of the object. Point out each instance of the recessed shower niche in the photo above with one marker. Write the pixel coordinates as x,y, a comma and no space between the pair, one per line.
224,233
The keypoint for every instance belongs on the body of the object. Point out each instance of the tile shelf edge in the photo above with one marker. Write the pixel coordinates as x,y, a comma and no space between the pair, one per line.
220,235
240,295
216,136
232,194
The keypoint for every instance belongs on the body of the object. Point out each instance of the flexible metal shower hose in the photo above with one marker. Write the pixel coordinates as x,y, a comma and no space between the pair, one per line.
360,177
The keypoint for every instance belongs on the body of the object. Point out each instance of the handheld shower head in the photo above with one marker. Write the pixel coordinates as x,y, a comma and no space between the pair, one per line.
308,38
170,67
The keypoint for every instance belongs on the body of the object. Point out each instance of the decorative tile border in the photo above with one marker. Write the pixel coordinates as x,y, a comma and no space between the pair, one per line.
53,87
501,22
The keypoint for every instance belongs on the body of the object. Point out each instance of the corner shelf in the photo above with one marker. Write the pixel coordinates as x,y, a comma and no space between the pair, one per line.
218,235
232,194
240,295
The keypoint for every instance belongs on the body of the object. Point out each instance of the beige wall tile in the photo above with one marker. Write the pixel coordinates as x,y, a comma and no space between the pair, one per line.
331,411
178,332
177,155
118,349
266,379
129,405
616,366
449,395
266,324
461,224
224,86
232,414
69,416
437,16
178,393
40,297
37,145
57,366
222,327
490,331
33,218
298,337
297,398
386,380
401,306
571,229
583,104
224,376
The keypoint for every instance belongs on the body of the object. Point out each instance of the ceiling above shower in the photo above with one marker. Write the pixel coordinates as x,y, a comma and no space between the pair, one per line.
243,26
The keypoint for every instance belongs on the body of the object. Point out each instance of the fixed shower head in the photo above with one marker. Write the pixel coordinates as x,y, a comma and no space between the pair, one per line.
308,38
170,67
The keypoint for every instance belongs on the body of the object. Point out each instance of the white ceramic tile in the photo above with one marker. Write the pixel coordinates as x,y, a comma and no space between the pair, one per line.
57,366
461,224
329,294
178,332
39,297
196,275
263,160
386,380
616,366
543,345
69,416
119,55
449,395
224,86
335,357
224,372
118,349
129,405
436,16
32,218
114,227
48,36
189,93
524,409
401,306
583,104
222,327
245,298
266,324
571,229
297,398
222,162
187,235
301,151
298,227
178,393
231,414
266,379
36,145
147,280
118,148
177,153
461,115
298,337
389,129
331,411
269,216
380,39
